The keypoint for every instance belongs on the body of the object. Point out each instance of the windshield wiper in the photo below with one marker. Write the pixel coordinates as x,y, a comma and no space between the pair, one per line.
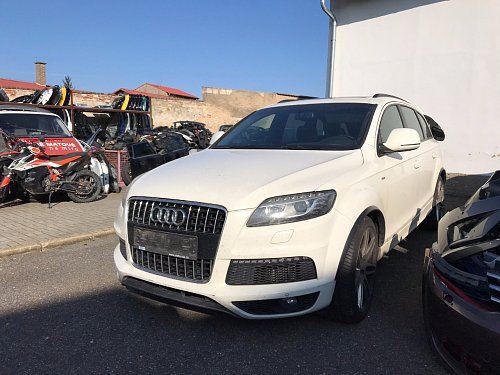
302,147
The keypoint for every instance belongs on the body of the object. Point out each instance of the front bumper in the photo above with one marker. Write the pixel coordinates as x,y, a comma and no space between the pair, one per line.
316,239
464,334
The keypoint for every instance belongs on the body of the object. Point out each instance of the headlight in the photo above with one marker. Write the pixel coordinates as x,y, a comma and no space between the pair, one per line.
294,207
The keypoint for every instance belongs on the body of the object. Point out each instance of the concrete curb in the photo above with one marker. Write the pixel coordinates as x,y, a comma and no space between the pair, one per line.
56,242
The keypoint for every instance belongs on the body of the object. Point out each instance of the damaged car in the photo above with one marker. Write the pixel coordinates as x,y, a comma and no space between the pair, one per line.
461,285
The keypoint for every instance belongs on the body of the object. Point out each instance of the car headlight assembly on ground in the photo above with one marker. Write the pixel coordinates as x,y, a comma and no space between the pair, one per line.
291,208
461,291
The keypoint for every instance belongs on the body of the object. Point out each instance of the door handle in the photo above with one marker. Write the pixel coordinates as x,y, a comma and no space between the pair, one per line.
434,155
417,165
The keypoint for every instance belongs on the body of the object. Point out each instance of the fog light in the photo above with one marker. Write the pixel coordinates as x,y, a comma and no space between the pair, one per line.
292,301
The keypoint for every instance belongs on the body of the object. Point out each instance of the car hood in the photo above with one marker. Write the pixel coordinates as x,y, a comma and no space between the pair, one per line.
241,179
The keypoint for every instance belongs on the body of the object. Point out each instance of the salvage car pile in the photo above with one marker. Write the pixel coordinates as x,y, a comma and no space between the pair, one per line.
125,130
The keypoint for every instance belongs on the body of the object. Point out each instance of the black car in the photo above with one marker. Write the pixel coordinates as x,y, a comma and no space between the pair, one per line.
461,284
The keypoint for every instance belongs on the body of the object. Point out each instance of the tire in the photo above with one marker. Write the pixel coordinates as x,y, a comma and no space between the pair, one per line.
113,179
88,189
432,220
354,288
127,174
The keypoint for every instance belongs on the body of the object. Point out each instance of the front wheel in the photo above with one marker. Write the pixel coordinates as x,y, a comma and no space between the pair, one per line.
354,288
88,186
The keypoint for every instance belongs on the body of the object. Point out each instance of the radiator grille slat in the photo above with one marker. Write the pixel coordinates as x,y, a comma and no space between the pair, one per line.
195,270
494,285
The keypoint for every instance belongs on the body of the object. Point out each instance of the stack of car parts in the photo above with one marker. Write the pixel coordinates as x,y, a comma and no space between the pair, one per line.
195,134
54,95
132,103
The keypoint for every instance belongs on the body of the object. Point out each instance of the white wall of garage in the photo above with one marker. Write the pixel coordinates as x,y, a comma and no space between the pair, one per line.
443,56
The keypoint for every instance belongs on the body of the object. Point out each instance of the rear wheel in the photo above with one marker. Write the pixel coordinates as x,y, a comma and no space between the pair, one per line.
88,186
354,287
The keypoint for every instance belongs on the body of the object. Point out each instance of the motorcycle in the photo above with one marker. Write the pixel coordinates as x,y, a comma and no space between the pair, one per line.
33,171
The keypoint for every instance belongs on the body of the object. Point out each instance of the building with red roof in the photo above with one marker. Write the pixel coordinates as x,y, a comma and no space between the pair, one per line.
164,91
12,84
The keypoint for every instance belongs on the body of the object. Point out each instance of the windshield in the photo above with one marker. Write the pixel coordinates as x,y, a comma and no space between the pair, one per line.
33,125
334,126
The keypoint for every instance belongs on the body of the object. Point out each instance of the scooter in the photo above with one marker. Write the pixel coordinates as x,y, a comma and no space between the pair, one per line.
36,173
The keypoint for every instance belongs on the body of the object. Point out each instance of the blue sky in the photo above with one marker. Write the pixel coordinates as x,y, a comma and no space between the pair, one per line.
262,45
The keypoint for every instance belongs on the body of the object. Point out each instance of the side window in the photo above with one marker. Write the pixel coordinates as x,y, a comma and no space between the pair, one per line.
411,121
425,127
390,120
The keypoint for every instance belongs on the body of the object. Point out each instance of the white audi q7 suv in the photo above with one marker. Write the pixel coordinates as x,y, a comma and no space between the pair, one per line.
287,213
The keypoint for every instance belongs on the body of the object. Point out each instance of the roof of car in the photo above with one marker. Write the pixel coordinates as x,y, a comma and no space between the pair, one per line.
23,108
379,99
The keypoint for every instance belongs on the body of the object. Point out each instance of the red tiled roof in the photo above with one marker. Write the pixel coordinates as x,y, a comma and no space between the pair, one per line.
10,83
134,92
172,91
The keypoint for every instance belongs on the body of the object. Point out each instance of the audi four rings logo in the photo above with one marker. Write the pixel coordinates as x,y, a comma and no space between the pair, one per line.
170,216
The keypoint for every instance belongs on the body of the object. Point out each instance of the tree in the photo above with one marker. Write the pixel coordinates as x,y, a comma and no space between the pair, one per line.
67,82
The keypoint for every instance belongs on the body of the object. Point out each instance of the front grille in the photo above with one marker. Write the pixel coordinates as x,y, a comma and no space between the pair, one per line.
494,285
270,271
204,222
199,270
200,218
278,306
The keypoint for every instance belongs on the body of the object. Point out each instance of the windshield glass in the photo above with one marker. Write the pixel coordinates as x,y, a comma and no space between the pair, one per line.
33,125
333,126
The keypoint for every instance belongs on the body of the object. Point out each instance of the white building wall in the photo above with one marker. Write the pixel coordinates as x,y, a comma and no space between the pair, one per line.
443,56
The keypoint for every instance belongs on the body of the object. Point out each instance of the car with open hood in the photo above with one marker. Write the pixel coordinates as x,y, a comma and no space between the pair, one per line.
287,213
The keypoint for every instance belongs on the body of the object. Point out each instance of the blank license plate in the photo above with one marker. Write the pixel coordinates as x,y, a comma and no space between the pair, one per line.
177,245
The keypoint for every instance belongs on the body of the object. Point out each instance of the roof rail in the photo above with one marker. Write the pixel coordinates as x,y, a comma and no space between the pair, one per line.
380,95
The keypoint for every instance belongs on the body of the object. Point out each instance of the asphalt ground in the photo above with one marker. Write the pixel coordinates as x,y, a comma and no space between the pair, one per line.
63,311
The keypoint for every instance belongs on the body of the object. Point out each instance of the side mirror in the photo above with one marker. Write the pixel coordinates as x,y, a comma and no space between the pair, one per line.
402,139
436,130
